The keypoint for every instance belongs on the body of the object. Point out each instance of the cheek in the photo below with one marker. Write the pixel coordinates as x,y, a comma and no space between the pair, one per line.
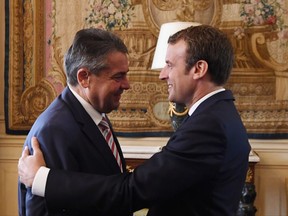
95,98
96,93
182,83
106,95
178,81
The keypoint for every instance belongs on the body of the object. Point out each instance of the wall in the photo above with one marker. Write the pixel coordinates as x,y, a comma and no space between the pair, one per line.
258,80
271,173
10,146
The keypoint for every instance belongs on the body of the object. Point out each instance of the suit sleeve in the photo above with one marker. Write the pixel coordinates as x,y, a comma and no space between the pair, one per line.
193,153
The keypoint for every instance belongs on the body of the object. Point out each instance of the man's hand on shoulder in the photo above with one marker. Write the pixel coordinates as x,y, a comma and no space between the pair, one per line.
28,165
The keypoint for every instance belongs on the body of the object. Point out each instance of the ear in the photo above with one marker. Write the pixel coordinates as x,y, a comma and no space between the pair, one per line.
201,68
83,77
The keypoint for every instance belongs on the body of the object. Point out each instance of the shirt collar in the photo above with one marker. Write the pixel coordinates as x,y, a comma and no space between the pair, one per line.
194,106
94,114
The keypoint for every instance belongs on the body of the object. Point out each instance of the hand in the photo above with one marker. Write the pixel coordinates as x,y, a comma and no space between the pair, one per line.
28,165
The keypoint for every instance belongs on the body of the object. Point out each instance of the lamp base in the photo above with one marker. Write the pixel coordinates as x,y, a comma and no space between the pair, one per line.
177,113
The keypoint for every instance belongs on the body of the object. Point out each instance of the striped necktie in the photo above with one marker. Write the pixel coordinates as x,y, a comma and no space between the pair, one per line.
104,126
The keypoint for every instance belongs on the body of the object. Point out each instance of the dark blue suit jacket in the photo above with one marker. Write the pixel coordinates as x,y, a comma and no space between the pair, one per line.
201,171
70,140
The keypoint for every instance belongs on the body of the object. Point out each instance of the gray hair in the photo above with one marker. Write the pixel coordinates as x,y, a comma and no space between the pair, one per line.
89,50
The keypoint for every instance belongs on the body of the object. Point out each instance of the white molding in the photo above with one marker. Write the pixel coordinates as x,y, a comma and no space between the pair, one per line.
276,144
145,147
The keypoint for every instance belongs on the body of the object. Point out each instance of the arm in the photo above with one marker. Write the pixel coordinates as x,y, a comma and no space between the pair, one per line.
31,166
194,153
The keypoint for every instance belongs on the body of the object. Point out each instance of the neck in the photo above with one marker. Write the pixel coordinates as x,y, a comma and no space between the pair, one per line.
202,92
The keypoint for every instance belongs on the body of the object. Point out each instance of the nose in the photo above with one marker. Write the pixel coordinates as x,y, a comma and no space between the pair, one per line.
125,84
163,74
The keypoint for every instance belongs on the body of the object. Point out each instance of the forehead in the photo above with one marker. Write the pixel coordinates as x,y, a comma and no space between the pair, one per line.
116,55
177,50
117,62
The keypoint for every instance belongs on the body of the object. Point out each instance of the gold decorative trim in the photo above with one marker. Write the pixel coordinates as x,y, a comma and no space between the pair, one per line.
259,79
259,47
182,11
35,100
29,91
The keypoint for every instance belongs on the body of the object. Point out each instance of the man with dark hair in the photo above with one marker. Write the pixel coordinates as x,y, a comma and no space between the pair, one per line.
201,170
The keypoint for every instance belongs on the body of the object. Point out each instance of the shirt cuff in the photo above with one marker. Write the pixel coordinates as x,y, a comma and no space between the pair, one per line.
39,183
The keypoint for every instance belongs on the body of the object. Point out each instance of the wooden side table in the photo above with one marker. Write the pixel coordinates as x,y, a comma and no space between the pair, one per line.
246,205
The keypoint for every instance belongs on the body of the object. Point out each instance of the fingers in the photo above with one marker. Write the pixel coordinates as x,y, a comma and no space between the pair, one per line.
28,165
37,151
25,179
35,146
25,152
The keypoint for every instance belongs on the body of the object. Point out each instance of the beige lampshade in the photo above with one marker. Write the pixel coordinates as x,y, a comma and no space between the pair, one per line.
166,30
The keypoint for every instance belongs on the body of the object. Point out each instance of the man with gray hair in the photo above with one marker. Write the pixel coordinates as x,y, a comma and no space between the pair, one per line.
71,131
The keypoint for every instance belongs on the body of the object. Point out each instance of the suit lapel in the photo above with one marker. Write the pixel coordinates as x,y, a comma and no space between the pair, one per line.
91,130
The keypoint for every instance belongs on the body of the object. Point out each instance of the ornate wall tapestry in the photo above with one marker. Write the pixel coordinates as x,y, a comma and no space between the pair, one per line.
39,32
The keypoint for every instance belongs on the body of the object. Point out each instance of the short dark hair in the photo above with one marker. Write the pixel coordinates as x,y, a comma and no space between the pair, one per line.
89,49
207,43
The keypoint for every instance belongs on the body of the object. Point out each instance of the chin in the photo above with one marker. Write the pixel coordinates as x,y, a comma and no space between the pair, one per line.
171,99
175,101
116,106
